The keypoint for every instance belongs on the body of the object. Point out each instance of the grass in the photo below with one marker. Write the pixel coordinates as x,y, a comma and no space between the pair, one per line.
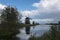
7,31
53,34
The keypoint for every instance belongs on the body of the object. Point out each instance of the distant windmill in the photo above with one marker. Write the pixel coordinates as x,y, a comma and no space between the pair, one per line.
27,19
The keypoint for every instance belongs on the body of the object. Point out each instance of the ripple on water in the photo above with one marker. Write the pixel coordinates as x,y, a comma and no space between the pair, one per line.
34,31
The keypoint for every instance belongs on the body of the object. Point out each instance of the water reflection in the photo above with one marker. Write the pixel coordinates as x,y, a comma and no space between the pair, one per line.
39,30
27,29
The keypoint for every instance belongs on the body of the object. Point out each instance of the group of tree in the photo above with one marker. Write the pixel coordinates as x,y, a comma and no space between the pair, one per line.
9,23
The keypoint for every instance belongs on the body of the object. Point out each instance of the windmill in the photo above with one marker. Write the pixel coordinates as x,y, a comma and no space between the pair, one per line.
27,19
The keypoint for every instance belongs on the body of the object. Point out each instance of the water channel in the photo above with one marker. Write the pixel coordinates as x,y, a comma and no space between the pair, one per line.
36,31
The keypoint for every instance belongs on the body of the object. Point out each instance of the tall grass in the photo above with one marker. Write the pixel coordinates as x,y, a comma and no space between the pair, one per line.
53,34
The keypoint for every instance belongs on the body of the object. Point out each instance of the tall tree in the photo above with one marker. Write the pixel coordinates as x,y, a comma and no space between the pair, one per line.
9,21
10,14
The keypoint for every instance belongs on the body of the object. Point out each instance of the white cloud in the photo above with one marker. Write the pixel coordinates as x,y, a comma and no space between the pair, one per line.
46,9
2,6
47,4
43,20
29,13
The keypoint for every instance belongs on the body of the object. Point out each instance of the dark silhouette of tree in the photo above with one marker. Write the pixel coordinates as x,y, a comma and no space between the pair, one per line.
10,14
9,22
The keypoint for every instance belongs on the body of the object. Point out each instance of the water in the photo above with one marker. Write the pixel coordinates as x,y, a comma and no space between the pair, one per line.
36,31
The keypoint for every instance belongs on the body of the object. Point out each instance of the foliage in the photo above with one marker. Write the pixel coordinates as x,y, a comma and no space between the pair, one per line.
53,34
9,25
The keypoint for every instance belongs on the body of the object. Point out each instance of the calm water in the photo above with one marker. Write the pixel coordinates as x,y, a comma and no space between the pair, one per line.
36,31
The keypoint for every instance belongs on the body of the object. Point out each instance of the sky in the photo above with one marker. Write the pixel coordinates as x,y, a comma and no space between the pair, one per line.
42,11
20,4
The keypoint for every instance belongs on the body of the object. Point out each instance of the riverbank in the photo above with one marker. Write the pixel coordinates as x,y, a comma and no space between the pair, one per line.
10,31
23,25
52,34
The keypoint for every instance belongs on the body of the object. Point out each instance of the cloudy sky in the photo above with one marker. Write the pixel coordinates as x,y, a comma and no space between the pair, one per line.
41,11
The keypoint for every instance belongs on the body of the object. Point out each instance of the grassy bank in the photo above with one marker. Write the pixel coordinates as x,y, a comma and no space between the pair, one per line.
23,25
53,34
9,31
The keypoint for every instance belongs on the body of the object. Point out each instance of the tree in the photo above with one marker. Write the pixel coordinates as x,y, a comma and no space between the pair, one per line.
10,14
9,22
